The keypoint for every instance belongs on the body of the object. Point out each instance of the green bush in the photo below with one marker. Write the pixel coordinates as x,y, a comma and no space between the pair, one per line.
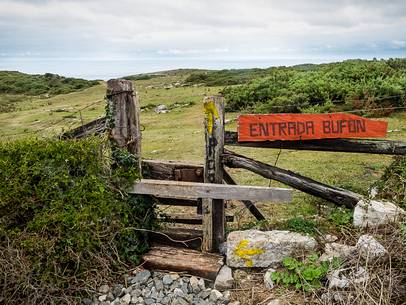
307,275
392,185
352,84
13,82
64,222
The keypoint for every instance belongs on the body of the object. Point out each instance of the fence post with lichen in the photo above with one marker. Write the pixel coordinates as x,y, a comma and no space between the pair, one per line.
123,122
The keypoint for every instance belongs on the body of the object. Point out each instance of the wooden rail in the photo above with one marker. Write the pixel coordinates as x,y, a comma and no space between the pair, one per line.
179,189
305,184
386,147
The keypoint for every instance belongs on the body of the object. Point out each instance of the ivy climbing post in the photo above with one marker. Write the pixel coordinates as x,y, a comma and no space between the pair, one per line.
123,121
213,209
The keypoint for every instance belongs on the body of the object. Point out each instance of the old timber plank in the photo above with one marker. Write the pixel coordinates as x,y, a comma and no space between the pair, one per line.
183,260
386,147
187,218
168,189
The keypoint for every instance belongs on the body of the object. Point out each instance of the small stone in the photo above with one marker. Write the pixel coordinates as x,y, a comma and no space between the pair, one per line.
118,290
329,238
336,280
149,301
215,295
136,293
174,276
110,297
126,299
103,298
202,284
360,276
178,293
268,278
336,250
158,285
369,248
104,289
194,284
224,279
142,277
167,279
227,295
86,301
205,293
374,213
274,302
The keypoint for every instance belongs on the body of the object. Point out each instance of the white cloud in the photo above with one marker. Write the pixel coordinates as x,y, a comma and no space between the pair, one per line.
254,28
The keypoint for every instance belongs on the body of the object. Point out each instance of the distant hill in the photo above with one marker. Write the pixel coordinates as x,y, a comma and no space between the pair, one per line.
13,82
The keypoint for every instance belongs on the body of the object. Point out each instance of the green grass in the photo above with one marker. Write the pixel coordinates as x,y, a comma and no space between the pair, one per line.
178,135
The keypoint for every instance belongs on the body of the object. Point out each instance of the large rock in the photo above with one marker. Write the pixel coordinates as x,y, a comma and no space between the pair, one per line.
370,249
224,279
374,213
253,248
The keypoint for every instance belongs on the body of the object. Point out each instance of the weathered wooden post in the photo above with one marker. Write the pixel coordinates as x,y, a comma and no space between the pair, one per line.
123,121
213,209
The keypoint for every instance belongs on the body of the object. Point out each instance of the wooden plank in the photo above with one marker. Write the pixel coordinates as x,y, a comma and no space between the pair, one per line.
386,147
178,202
187,218
165,170
205,265
94,127
305,126
213,208
168,189
334,194
248,204
124,125
177,237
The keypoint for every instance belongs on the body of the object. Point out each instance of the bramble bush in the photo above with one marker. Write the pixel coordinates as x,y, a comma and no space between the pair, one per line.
65,219
348,85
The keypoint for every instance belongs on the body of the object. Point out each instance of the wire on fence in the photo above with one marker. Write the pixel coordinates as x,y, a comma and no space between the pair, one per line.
55,123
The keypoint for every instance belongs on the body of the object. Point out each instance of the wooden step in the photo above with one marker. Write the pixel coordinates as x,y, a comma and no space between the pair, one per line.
187,218
205,265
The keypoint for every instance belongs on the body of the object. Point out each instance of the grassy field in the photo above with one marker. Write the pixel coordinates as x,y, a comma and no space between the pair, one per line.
178,135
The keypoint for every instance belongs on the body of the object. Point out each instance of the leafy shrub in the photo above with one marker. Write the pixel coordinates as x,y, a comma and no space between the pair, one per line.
12,82
64,223
392,185
340,216
306,275
299,224
352,84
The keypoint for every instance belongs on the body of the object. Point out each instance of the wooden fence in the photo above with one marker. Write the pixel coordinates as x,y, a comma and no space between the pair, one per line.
207,186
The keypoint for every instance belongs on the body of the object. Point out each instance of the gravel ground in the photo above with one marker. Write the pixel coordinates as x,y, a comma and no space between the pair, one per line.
156,288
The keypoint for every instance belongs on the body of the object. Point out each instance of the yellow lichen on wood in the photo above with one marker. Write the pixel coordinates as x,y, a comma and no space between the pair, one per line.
211,112
245,253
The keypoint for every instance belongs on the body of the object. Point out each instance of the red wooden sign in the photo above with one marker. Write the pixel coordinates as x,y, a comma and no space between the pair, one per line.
307,126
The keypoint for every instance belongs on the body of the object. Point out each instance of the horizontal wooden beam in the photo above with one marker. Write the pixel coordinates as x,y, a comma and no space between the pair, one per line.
178,202
166,170
187,218
92,128
386,147
177,237
168,189
334,194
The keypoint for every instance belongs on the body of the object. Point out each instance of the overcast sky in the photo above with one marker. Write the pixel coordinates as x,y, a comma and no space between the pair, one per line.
181,30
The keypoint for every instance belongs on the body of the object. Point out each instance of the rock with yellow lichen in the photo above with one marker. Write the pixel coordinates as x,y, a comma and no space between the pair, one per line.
253,248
